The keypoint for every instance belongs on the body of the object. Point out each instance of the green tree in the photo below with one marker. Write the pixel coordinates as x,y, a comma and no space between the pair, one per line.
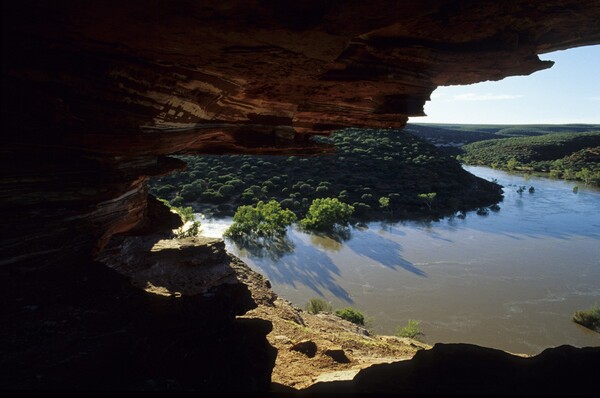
325,214
411,330
316,305
261,220
512,164
588,318
584,175
428,198
351,314
384,202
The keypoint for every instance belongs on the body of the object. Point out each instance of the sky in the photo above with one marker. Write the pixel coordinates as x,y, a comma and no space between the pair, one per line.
568,92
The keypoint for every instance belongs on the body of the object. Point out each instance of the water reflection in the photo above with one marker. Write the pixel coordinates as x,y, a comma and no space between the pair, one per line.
331,241
326,243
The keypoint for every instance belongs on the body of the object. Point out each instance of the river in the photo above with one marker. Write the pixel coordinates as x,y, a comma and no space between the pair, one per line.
510,280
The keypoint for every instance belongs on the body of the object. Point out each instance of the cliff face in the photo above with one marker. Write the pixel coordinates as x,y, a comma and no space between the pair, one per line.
96,95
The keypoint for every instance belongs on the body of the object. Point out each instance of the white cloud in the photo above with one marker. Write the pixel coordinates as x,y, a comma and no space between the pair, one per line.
485,97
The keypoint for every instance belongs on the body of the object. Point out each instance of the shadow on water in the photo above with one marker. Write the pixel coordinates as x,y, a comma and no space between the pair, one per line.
304,265
272,248
382,250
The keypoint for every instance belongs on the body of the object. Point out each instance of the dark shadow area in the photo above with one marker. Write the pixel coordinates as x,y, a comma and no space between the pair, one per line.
103,334
303,265
465,369
272,248
381,250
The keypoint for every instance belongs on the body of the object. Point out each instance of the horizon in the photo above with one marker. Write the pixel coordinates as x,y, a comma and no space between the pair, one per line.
507,124
566,93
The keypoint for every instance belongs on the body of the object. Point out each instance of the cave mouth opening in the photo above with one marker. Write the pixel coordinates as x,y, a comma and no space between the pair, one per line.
81,80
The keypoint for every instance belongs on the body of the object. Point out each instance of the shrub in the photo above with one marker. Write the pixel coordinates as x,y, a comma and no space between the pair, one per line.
316,305
384,202
165,190
411,330
262,220
322,189
588,318
351,314
226,190
177,201
361,209
325,214
427,198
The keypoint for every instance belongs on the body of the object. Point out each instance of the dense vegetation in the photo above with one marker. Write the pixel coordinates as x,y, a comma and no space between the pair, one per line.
380,173
566,155
570,152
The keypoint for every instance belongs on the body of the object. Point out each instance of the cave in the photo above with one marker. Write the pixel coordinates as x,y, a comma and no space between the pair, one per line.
96,96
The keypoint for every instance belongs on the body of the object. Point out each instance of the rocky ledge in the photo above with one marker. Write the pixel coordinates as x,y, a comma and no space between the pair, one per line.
320,354
182,314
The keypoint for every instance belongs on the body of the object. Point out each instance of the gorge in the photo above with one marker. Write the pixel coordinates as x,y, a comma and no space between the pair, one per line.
97,95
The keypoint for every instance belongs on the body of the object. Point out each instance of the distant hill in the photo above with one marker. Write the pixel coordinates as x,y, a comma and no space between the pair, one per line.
569,151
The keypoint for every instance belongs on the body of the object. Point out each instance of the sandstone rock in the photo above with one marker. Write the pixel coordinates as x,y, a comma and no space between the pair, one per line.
283,339
464,369
171,267
157,219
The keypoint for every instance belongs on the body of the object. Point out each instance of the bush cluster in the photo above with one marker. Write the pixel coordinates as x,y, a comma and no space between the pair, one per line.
377,172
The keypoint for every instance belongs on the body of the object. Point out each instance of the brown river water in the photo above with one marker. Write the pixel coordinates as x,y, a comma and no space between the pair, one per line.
510,280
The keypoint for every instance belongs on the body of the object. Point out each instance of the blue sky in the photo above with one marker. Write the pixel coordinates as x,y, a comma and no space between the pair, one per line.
568,92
